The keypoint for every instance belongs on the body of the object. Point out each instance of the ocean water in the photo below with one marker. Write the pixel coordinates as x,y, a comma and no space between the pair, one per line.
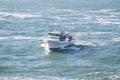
95,25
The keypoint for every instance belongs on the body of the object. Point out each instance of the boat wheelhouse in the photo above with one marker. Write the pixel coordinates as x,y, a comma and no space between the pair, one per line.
59,40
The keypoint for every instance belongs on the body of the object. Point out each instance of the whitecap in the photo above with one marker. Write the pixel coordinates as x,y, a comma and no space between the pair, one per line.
59,18
16,78
19,37
68,10
54,24
105,10
102,10
90,43
80,34
3,38
33,78
100,33
106,21
69,27
116,39
87,17
22,37
19,15
114,13
109,22
114,77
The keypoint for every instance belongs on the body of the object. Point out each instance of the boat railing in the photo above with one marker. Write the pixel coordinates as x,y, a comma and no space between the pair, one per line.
60,37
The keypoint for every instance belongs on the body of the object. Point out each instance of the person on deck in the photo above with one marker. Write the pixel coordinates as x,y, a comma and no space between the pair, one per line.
70,38
61,37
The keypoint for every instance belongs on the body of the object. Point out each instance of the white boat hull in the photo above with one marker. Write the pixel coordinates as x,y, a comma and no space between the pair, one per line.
53,44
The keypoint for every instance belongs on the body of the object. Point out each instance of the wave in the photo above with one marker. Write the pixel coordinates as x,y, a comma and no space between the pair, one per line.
107,21
114,13
80,34
102,10
59,18
19,37
103,16
2,38
100,33
90,43
33,78
2,19
116,39
19,15
88,76
23,37
101,19
56,24
60,10
114,77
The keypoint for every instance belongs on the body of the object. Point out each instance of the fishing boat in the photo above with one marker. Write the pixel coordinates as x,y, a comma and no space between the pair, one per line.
58,40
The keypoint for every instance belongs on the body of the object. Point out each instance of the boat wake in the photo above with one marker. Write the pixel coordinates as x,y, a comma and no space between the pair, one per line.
46,47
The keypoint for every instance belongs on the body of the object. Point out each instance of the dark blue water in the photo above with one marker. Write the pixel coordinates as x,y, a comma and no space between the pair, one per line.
95,24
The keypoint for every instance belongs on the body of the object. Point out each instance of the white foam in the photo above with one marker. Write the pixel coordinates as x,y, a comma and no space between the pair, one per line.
19,37
116,39
80,34
102,10
91,43
59,18
19,15
109,22
33,78
2,38
114,13
114,77
16,78
46,47
68,10
87,17
100,33
54,24
106,21
23,37
69,27
105,10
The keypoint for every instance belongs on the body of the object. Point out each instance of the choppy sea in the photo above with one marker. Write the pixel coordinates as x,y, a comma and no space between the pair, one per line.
95,25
